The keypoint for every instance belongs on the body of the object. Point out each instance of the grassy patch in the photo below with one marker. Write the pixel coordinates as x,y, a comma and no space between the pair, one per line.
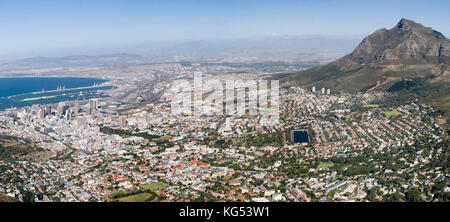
142,197
347,117
118,194
325,165
441,121
371,106
392,113
226,178
44,155
154,186
5,198
163,138
13,148
331,194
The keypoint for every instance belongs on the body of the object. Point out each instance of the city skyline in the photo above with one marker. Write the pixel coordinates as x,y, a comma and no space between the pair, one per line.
237,101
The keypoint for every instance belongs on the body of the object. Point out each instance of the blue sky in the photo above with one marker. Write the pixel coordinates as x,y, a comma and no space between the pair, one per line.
44,25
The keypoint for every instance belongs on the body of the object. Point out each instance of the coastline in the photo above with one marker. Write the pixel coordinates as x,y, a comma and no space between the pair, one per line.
40,96
57,76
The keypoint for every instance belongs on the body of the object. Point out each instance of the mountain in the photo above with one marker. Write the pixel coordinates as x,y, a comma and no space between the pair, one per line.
68,61
272,43
408,58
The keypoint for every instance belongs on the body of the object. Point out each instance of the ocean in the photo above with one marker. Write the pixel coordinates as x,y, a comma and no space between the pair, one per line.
26,91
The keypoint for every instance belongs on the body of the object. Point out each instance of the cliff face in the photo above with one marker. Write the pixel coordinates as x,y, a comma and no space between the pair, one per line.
386,59
406,43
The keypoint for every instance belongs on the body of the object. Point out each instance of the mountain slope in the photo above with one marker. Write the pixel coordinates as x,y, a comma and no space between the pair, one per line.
409,57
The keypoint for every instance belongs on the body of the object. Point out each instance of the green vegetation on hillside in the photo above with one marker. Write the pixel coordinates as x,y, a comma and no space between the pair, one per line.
143,193
406,60
5,198
392,113
141,197
154,186
371,106
14,148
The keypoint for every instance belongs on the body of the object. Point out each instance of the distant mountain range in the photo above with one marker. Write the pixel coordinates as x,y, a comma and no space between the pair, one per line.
408,58
68,61
170,48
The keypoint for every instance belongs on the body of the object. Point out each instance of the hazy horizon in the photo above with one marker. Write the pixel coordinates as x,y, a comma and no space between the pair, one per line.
56,28
298,42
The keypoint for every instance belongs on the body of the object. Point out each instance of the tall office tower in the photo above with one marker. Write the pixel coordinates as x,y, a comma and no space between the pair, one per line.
323,90
60,109
48,109
93,103
228,123
81,123
35,108
328,91
122,121
76,107
42,113
313,89
67,114
198,90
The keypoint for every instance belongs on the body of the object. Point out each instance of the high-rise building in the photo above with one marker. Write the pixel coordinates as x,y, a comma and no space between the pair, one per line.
93,103
67,114
323,90
61,108
328,91
313,89
228,123
81,123
35,108
122,121
76,107
48,109
42,113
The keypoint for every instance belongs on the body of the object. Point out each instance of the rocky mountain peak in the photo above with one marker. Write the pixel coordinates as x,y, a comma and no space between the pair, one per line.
406,24
408,52
407,41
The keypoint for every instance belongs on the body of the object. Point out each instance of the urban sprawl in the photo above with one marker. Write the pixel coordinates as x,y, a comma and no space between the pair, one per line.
129,146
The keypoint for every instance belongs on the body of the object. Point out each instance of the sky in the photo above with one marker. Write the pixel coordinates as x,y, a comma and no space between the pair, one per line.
30,25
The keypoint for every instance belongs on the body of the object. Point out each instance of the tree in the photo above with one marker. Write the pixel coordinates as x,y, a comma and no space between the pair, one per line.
28,196
372,194
413,195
